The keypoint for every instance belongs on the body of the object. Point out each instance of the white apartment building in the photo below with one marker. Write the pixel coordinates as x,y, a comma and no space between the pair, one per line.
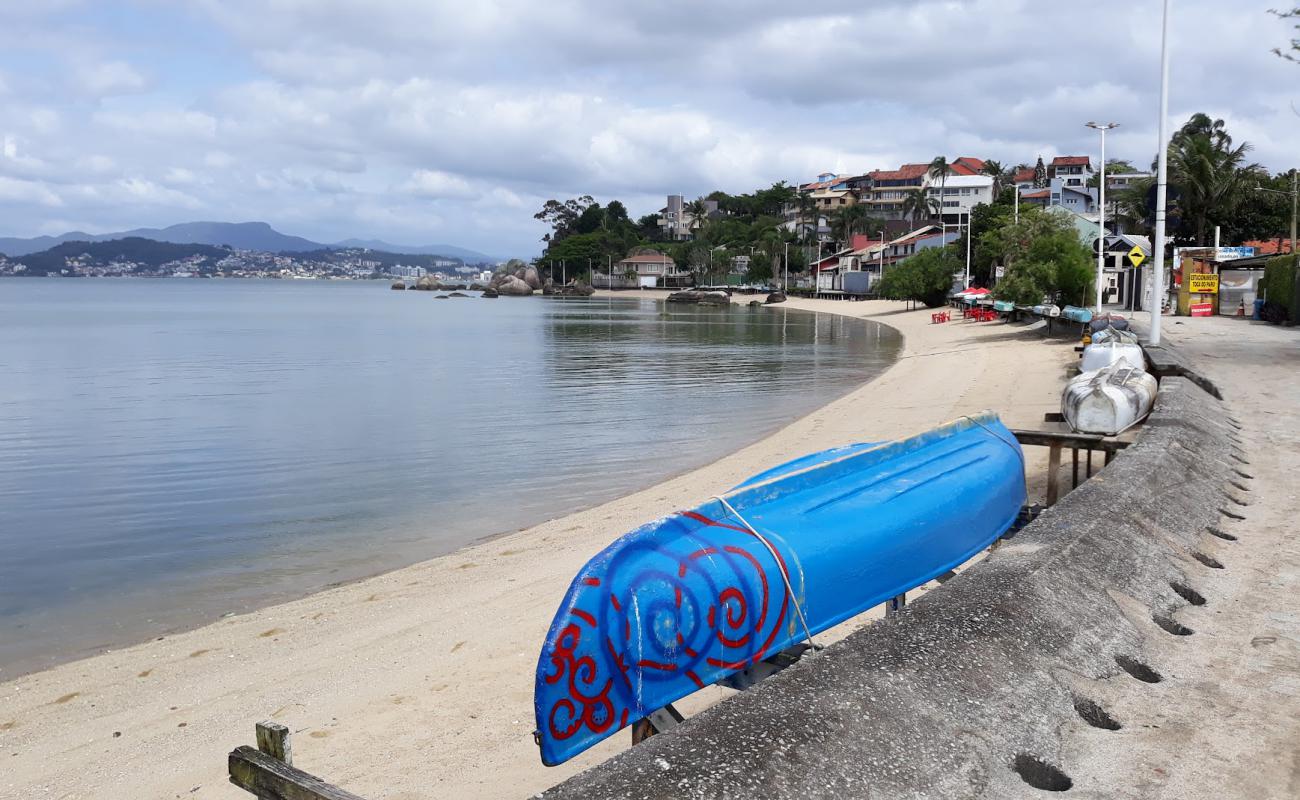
958,194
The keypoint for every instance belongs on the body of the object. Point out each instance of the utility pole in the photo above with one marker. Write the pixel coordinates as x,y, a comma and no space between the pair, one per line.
1101,208
785,269
967,249
1162,176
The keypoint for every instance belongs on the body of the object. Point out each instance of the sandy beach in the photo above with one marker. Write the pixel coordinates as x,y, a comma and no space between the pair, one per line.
418,683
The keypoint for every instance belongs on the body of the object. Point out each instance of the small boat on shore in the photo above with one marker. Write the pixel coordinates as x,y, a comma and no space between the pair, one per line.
701,595
1046,310
1114,335
1107,320
1099,355
1076,314
1108,401
1003,305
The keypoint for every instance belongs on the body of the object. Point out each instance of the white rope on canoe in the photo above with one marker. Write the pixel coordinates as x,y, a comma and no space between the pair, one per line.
785,576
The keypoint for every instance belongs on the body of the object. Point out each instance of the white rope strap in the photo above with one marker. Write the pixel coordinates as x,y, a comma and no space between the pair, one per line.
785,576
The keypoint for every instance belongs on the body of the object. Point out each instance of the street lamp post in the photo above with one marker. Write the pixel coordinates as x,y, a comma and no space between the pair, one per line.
968,236
1101,207
1162,176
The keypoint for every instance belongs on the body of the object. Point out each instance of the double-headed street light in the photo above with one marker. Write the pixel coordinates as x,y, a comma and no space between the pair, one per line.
1101,206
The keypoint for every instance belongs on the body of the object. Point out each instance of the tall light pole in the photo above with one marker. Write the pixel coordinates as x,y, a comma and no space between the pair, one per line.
968,238
1101,206
1162,177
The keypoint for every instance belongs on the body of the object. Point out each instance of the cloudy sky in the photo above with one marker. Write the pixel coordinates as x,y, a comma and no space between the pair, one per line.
427,121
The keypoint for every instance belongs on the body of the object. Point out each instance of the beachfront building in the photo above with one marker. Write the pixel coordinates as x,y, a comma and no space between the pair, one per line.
676,223
891,188
644,269
958,194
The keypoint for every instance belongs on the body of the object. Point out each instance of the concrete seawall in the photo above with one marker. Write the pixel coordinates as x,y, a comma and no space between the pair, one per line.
978,688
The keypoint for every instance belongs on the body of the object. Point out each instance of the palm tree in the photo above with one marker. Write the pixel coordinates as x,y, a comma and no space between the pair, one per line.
940,169
1208,170
995,170
918,204
809,219
699,211
845,222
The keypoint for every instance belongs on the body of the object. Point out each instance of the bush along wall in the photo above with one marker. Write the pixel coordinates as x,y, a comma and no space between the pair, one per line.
1279,283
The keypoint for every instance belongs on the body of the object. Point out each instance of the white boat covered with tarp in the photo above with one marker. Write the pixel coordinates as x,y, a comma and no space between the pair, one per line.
1046,310
1108,401
1098,356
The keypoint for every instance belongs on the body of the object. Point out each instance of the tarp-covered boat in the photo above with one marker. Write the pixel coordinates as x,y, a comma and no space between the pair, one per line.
695,597
1046,310
1103,354
1108,401
1114,335
1076,314
1107,320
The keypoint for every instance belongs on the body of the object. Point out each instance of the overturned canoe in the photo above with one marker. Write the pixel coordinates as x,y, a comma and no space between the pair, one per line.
1108,401
1114,335
1046,310
1076,314
1003,305
1107,320
1103,354
692,598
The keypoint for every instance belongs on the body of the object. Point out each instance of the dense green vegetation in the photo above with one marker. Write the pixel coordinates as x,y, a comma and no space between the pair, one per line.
1278,285
583,233
926,277
1043,257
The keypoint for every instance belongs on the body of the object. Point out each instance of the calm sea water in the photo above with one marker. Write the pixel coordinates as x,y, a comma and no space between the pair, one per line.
174,449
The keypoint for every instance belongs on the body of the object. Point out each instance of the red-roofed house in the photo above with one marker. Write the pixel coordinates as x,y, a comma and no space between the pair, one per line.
891,187
966,165
1074,171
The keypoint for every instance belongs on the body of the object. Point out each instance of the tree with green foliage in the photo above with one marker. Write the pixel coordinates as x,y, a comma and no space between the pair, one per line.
1044,259
699,211
562,217
1209,171
925,277
848,220
919,205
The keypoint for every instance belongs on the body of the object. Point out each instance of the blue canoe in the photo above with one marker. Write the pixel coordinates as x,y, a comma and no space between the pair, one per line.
692,598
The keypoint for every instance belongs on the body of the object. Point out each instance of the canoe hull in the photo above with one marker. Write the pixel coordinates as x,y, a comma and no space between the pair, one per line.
1076,314
1101,355
1108,401
687,600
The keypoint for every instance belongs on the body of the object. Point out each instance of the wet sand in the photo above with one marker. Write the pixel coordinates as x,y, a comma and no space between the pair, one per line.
418,683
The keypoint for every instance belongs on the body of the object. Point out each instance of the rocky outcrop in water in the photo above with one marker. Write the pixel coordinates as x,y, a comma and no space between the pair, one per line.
489,293
697,297
512,286
776,297
398,286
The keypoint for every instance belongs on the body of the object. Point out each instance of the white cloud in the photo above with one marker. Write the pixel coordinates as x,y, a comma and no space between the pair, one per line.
435,183
109,78
21,191
336,119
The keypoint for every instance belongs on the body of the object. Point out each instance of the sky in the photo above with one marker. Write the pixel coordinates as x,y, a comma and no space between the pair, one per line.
422,121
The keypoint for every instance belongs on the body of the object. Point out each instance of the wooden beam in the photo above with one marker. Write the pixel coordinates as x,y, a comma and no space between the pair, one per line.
258,773
1085,441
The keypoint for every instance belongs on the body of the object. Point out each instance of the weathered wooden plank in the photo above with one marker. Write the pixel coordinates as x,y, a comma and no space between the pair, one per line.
1086,441
273,739
1053,468
265,776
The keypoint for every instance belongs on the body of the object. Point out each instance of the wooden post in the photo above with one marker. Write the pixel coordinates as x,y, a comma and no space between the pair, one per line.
273,739
1053,468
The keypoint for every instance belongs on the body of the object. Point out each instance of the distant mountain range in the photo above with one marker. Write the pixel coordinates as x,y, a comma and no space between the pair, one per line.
239,235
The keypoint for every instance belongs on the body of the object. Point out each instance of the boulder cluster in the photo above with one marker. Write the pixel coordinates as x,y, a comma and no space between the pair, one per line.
520,283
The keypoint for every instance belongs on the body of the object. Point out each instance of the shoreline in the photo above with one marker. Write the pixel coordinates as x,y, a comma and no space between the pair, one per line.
403,655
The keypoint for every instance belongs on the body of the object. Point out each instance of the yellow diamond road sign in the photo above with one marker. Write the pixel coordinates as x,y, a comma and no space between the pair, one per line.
1136,256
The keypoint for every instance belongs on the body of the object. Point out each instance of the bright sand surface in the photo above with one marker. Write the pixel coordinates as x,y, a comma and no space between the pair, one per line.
418,683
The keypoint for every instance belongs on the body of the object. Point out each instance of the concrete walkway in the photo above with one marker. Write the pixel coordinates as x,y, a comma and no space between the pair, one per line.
1229,726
